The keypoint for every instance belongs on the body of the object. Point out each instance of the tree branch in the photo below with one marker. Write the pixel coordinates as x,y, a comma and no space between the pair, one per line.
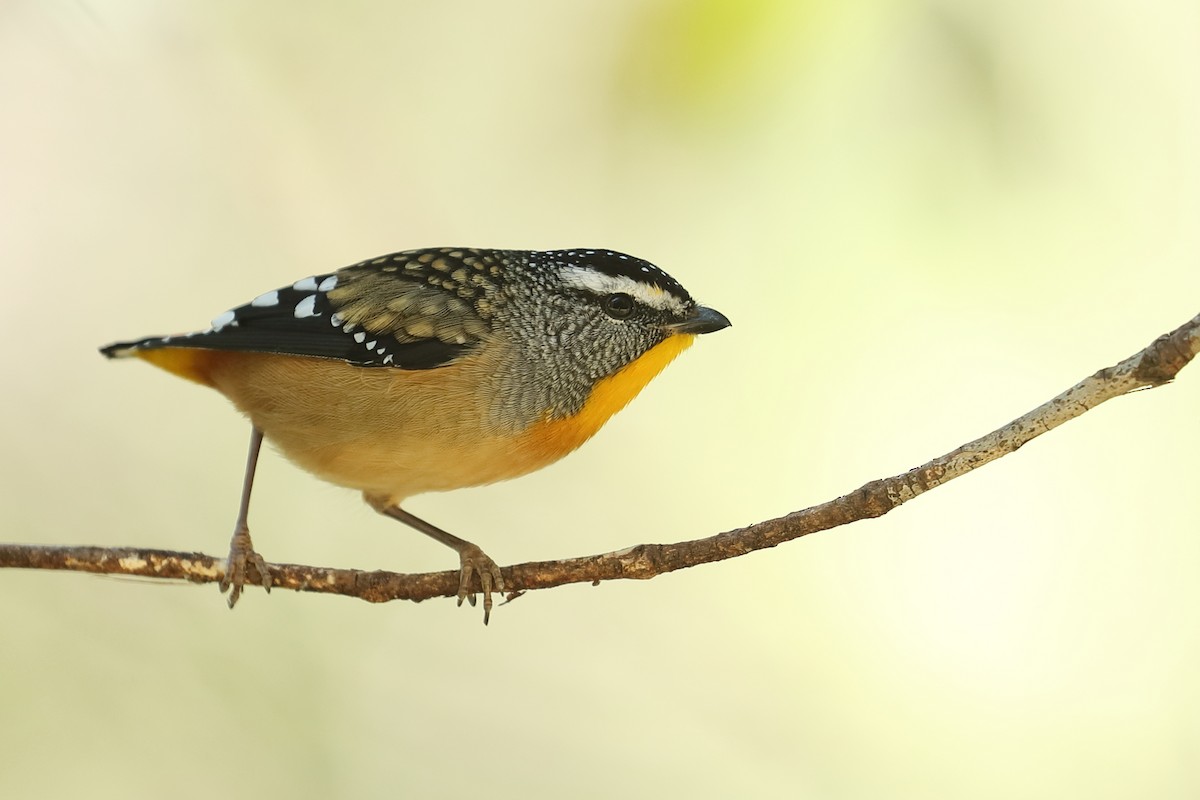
1157,364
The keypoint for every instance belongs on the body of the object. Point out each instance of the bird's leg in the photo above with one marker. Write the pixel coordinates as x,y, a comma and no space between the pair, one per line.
241,549
472,560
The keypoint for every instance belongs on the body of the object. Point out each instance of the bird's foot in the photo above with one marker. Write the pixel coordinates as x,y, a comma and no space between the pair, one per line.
241,554
474,562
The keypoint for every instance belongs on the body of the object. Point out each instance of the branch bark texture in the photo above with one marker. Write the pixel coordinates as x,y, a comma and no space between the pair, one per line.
1155,365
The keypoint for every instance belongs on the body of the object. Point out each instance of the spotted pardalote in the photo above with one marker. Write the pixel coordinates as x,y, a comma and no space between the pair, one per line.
430,370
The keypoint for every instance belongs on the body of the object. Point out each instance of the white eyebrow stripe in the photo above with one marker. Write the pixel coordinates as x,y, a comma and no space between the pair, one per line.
598,283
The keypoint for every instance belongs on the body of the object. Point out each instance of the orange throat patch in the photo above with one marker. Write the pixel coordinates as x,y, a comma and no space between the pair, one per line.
553,439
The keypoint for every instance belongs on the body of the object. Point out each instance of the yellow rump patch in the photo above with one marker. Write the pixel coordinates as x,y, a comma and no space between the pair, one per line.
186,362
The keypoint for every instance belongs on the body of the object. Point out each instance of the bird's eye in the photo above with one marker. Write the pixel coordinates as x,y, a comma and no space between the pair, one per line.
618,305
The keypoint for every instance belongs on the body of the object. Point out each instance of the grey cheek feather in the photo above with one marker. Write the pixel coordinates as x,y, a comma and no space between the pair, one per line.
560,349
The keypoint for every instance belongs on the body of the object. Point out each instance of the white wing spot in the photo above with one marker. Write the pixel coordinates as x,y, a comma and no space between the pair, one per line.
328,284
335,319
306,285
360,337
371,344
221,320
266,300
306,307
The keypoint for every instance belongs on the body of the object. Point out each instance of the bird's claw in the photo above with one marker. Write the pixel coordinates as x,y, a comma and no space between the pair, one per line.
241,553
474,562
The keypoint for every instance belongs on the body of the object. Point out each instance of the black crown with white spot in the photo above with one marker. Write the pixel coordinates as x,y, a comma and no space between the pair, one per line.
618,265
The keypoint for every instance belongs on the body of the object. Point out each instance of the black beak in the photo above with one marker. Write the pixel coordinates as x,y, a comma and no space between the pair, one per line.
701,320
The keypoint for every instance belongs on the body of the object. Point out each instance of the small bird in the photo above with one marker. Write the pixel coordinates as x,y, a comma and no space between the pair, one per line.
435,369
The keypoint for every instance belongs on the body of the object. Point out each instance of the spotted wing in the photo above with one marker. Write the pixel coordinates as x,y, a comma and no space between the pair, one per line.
399,311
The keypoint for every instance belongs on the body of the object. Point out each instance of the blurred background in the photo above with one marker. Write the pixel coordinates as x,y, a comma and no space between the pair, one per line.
924,218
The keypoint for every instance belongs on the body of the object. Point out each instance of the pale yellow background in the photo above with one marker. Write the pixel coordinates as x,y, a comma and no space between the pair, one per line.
923,218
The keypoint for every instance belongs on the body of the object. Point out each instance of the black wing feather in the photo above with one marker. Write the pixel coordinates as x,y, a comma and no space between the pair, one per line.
300,320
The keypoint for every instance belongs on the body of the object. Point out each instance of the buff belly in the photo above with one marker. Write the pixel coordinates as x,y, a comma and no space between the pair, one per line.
397,433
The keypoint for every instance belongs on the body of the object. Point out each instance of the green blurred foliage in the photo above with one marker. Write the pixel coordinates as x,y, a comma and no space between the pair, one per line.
694,57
